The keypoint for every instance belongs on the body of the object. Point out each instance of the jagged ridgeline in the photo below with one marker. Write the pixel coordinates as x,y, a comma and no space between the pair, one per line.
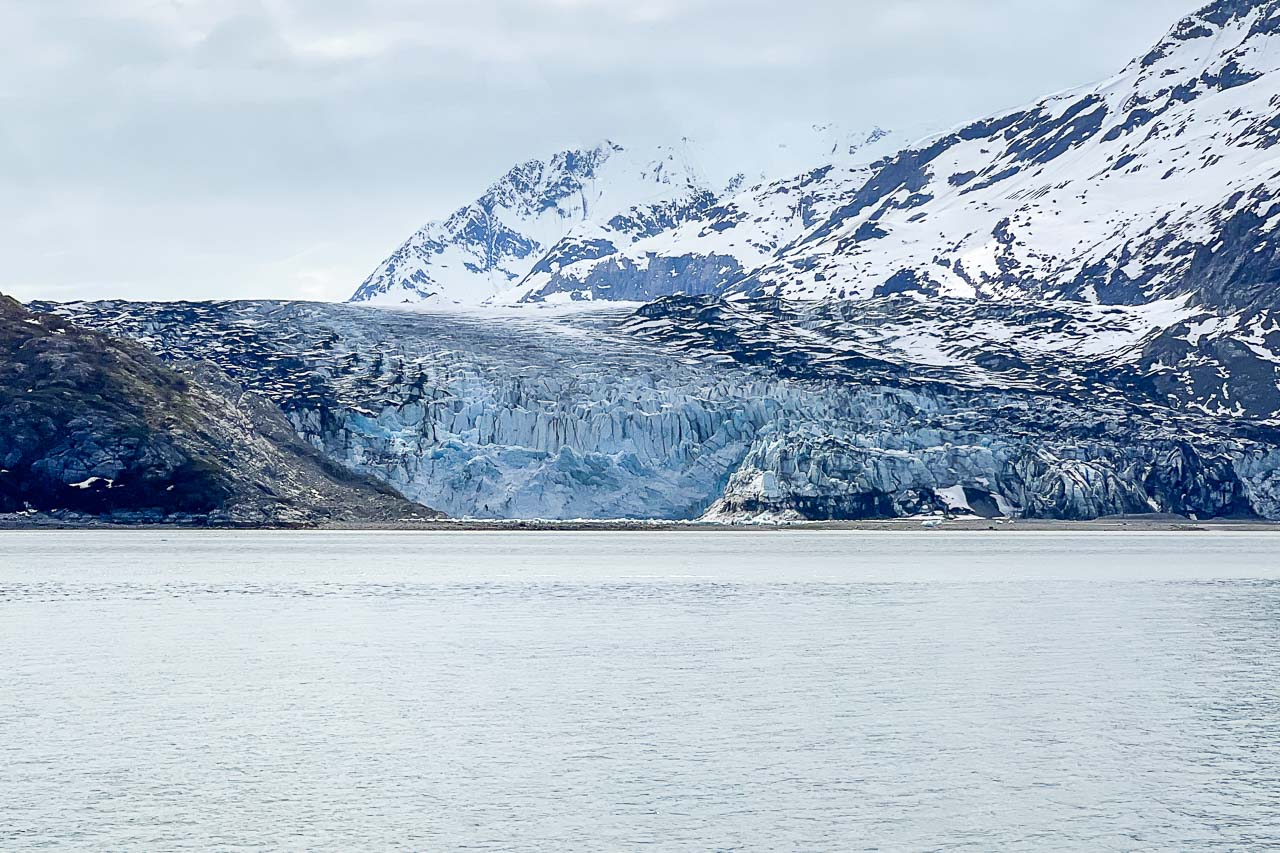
1065,311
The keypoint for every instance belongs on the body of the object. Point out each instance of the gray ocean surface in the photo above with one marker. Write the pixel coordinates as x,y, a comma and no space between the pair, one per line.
662,691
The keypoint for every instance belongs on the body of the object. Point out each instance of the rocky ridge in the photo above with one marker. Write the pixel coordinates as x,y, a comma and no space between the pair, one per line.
97,426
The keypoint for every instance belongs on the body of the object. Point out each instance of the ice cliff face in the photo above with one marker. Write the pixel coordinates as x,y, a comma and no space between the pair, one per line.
692,409
1052,411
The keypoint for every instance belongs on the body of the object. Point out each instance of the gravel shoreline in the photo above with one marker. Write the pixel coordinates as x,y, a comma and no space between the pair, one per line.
1134,524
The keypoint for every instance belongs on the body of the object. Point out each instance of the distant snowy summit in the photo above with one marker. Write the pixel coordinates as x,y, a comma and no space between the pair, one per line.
486,248
580,206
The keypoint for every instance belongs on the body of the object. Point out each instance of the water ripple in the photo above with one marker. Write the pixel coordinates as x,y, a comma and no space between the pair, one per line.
263,700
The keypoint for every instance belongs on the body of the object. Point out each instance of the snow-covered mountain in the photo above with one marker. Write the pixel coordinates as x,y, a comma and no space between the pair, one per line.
582,205
704,254
1114,193
1121,192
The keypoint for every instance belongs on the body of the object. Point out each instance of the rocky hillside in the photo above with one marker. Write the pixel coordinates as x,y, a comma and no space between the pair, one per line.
97,426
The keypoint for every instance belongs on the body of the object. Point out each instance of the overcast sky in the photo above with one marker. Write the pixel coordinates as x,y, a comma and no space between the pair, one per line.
193,149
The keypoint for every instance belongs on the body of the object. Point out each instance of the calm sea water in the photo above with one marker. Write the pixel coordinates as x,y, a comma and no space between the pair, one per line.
595,692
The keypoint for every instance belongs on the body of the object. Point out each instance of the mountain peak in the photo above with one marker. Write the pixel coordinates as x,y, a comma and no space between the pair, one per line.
582,202
1223,45
486,247
1115,193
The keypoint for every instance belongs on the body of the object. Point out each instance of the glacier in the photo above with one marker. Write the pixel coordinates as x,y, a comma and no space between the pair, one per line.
678,412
